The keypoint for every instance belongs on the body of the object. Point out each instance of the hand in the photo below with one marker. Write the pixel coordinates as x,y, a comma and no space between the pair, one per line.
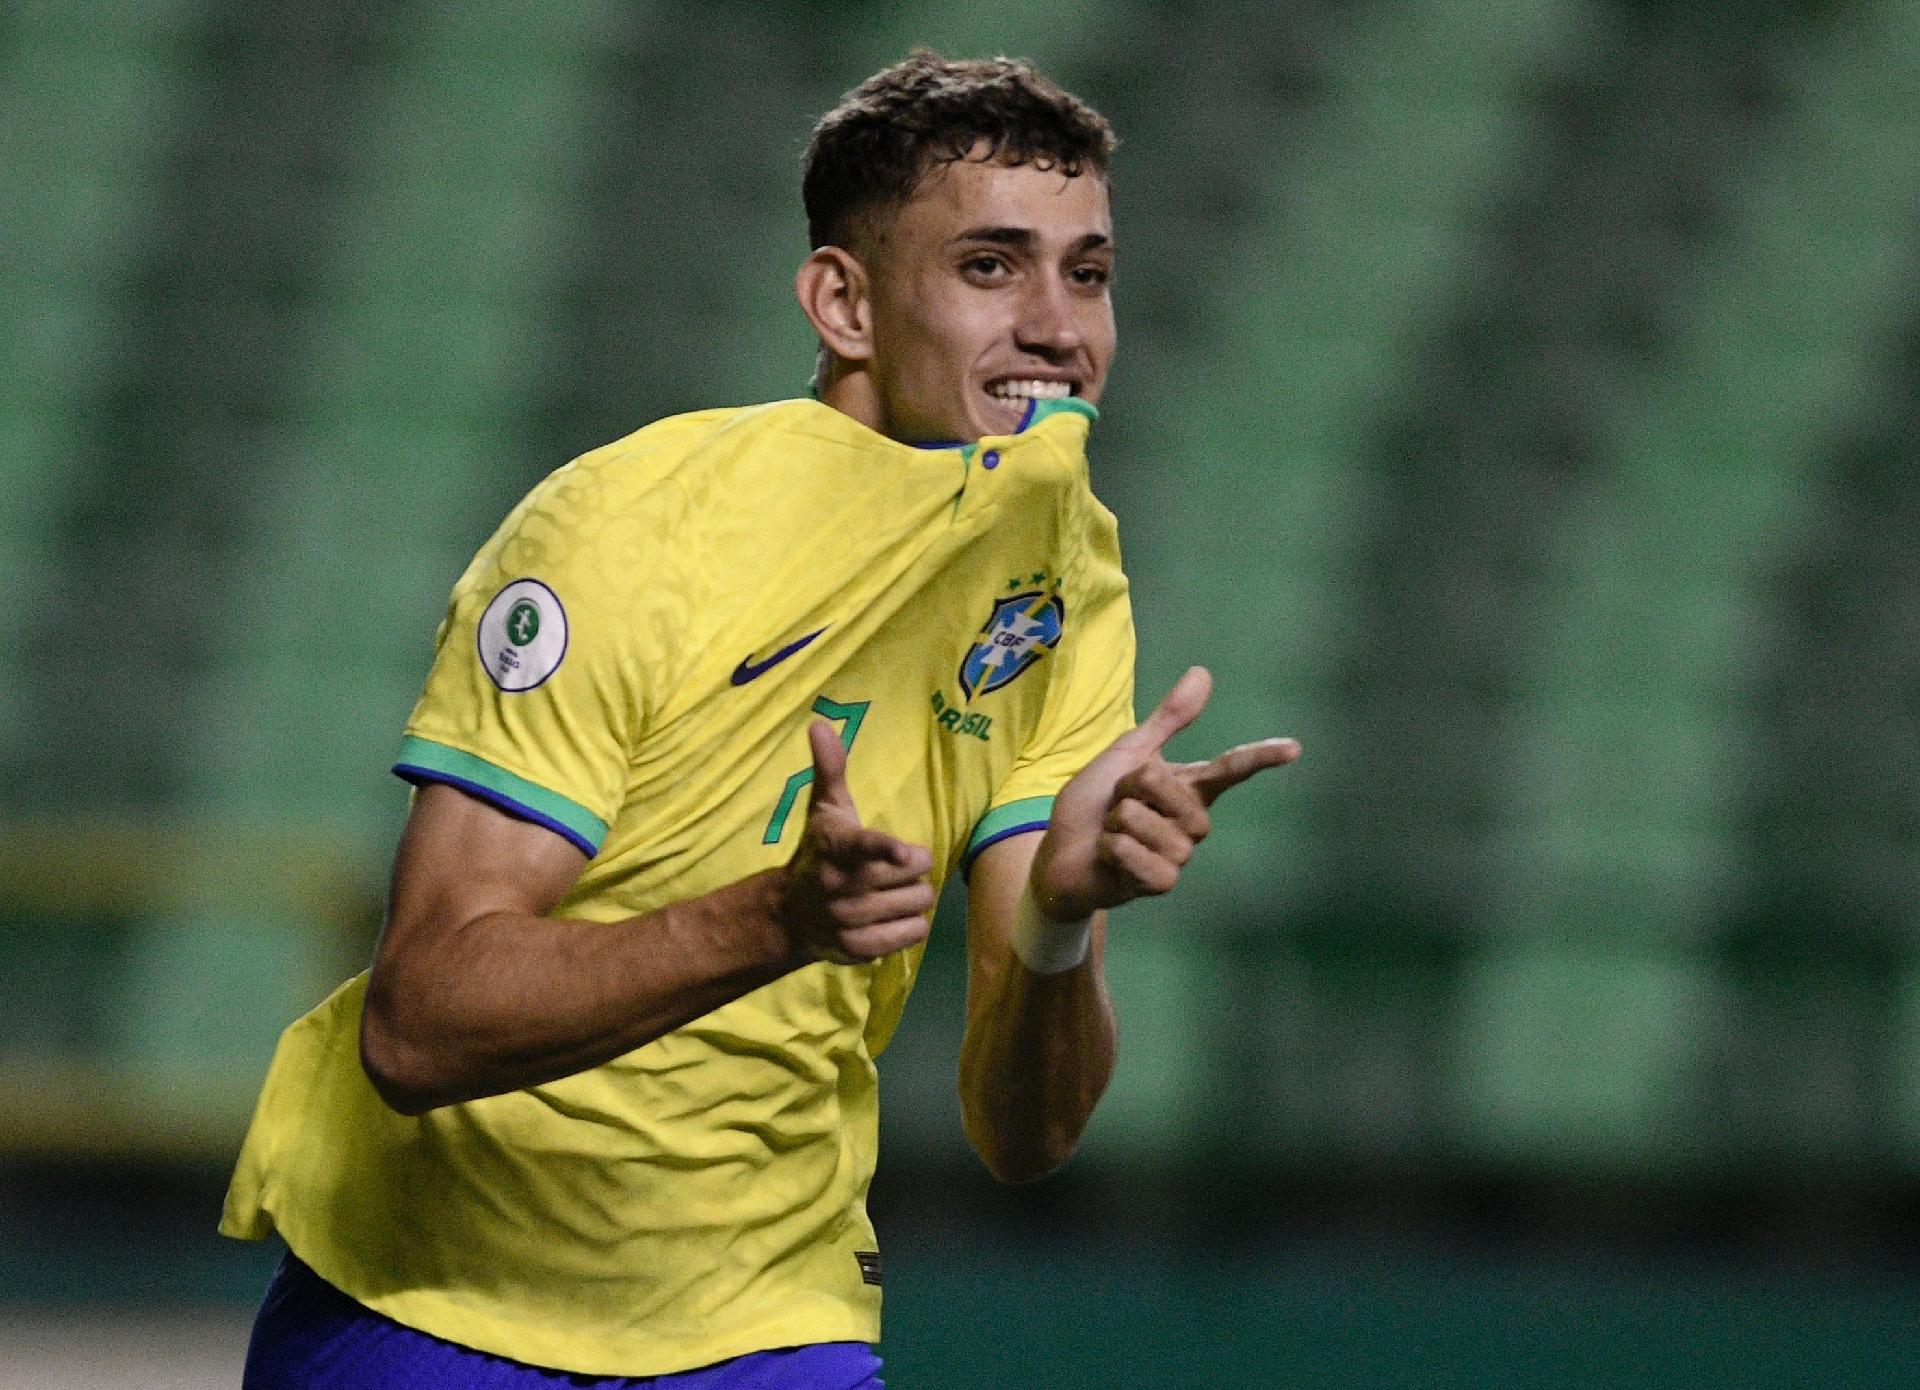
851,894
1127,825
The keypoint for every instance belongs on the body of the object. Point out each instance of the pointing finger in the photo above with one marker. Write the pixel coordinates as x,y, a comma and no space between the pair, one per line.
829,770
1180,708
1236,765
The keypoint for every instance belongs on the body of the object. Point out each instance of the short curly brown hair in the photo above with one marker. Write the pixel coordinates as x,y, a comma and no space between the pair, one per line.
871,151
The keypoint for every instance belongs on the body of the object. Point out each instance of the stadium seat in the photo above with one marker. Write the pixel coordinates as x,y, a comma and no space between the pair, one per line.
1581,1054
1164,993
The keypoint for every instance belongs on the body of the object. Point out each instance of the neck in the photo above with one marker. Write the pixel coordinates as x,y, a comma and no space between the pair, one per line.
850,390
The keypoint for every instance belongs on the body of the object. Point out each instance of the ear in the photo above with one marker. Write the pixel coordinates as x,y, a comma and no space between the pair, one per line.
833,293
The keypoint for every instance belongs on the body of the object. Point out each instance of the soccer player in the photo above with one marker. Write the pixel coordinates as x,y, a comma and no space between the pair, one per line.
710,719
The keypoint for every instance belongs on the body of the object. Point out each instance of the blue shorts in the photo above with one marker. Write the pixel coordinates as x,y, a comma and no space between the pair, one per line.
310,1336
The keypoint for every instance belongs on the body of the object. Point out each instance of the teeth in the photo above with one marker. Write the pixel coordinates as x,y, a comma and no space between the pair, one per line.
1029,390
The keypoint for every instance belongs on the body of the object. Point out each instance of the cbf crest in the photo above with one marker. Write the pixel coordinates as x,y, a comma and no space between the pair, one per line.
1021,629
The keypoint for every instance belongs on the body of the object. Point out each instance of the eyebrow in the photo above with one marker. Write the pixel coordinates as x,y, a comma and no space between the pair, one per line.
1024,237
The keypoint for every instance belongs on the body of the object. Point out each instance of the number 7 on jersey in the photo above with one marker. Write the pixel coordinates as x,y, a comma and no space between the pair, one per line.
848,717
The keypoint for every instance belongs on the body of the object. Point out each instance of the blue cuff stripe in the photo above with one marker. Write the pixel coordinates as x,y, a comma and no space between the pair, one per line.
973,850
420,776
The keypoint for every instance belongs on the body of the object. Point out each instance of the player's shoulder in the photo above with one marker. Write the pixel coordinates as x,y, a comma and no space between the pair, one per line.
699,453
639,475
627,507
658,449
672,441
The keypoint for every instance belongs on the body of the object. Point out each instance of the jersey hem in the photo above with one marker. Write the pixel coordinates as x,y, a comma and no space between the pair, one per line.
825,1320
422,760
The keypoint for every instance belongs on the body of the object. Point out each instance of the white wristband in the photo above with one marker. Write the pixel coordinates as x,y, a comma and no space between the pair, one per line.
1046,947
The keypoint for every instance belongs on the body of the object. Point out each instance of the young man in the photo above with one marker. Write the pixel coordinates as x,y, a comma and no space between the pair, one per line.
712,716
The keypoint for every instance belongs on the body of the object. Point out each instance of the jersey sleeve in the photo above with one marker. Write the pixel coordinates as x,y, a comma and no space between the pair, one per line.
1089,698
536,697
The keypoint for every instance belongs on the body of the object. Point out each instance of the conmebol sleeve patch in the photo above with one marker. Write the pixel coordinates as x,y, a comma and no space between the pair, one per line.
523,635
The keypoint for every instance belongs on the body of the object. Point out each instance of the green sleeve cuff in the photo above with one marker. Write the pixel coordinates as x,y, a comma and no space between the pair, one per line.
1014,818
422,760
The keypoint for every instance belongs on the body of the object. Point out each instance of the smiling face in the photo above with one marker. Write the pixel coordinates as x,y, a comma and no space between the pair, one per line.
988,287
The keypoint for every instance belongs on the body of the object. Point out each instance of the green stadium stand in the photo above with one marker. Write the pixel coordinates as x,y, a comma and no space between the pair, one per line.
91,98
1369,193
1583,1054
1234,459
489,270
1630,739
139,926
49,25
379,483
1309,319
1903,1098
1653,633
981,29
1330,1050
427,345
85,112
1164,1098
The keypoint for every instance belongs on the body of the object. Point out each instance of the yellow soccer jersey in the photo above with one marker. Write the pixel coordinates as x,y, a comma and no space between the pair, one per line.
632,661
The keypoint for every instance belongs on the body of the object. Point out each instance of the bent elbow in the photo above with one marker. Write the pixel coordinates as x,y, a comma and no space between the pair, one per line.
1017,1161
1018,1171
395,1068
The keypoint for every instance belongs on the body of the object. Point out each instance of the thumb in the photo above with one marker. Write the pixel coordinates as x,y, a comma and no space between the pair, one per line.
1180,708
829,770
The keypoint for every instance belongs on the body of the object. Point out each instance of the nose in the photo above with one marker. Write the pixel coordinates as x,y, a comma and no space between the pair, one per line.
1049,323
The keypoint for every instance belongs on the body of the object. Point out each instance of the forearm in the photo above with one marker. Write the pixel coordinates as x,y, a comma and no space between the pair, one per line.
510,999
1038,1053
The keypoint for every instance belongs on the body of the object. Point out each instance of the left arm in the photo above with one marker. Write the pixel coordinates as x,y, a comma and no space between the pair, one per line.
1038,1048
1040,1037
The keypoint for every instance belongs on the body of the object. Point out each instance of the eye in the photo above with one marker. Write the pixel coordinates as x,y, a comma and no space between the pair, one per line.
984,265
1091,276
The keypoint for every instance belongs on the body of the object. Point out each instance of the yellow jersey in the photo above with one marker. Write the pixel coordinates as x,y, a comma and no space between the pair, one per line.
632,661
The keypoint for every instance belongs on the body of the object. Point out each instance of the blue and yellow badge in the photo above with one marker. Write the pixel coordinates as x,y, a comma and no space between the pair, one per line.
1021,629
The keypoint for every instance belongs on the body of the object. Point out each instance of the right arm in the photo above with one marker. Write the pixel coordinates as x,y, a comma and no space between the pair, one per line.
475,990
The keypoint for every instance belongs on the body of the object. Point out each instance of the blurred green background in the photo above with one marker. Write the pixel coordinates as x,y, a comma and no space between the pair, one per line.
1517,402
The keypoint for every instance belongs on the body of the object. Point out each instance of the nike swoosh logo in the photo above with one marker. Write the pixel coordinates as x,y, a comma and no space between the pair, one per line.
753,670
